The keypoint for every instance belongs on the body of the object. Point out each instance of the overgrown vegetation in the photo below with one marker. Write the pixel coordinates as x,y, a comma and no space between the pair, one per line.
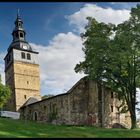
4,94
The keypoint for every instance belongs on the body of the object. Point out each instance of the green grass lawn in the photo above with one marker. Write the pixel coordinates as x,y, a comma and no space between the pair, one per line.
20,129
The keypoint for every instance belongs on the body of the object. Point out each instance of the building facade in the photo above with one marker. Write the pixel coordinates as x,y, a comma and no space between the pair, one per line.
79,106
21,69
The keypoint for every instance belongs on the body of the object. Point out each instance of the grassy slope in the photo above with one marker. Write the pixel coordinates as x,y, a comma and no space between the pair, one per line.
20,129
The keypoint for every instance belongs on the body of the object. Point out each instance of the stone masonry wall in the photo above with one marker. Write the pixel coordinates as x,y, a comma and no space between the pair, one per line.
24,82
27,85
79,106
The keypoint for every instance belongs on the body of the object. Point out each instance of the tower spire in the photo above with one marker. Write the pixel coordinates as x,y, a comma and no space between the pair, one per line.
19,35
18,32
18,15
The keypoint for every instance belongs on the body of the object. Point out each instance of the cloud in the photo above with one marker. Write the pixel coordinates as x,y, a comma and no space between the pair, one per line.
106,15
57,62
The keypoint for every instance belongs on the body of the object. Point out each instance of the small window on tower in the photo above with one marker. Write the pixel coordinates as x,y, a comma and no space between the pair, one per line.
22,55
24,96
28,56
21,34
19,24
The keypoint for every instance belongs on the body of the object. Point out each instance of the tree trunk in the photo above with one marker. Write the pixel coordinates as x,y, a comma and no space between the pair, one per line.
132,110
133,120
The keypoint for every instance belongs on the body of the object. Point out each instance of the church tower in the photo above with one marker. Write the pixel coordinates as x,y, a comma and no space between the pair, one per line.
21,69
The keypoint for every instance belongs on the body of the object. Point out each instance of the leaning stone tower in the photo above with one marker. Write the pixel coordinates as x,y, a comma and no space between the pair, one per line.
21,69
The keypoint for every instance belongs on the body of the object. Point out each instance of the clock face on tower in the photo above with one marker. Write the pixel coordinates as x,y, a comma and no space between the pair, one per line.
25,47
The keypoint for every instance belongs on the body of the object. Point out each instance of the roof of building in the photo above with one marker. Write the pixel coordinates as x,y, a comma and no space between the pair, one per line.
19,40
68,92
30,101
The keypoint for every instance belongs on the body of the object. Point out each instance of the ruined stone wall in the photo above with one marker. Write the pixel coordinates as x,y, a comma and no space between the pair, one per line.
78,98
92,109
69,108
79,106
112,114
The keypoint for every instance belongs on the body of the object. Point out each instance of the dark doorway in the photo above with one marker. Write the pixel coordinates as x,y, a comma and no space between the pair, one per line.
35,116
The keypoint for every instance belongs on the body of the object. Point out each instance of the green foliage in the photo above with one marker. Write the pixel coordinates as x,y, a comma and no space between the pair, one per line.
4,94
45,130
47,96
112,57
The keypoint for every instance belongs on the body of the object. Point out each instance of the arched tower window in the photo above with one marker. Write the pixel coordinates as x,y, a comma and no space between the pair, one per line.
21,35
19,24
22,55
28,56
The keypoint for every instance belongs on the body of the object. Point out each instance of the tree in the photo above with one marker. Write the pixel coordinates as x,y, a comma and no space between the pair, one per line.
47,96
114,61
4,94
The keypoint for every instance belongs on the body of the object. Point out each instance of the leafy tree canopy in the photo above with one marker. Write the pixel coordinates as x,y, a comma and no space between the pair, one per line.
4,94
112,57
